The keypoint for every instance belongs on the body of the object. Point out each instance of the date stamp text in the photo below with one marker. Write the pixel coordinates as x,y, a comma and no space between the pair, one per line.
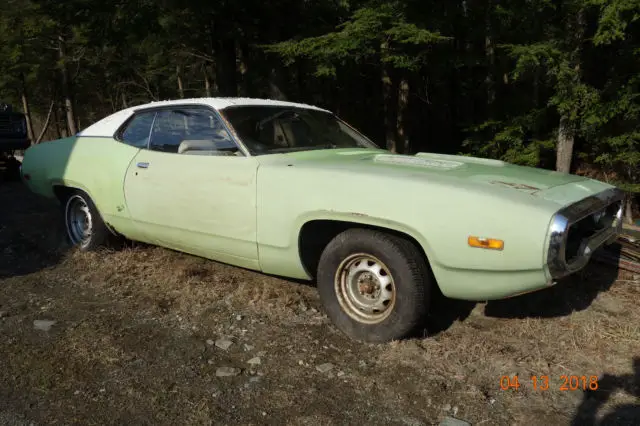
563,383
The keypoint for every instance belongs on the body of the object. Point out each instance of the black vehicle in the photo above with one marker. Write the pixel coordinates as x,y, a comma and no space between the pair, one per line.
13,137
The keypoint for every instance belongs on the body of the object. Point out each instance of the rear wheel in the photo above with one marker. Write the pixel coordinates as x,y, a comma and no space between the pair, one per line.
83,223
374,286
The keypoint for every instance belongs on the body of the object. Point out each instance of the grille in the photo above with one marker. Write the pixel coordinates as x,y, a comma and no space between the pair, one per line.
5,124
581,231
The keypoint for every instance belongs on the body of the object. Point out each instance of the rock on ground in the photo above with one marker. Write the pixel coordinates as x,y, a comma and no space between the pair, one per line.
451,421
324,368
224,344
44,325
227,371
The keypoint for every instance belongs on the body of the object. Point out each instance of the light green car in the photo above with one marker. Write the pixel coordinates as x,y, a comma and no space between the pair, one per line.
291,190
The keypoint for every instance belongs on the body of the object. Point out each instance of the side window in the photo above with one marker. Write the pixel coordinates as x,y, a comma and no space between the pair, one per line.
191,131
137,131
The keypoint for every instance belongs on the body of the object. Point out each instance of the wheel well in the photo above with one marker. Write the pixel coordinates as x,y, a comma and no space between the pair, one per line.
62,192
315,235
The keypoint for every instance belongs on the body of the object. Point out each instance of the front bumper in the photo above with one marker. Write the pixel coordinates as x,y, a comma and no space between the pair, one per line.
579,229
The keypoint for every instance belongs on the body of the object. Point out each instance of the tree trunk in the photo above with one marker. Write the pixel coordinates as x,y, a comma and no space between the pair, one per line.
179,78
564,152
56,120
403,103
125,105
207,82
210,80
242,70
489,50
211,76
45,126
627,216
66,88
301,74
226,74
27,111
566,135
390,102
275,83
489,79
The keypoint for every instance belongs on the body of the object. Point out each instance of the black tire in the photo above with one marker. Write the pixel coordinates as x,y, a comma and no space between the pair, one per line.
99,233
409,274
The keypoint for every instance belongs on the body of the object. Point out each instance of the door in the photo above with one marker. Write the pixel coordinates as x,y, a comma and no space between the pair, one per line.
193,190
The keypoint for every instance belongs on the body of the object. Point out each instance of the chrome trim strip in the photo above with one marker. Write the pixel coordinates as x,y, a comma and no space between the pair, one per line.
153,123
564,218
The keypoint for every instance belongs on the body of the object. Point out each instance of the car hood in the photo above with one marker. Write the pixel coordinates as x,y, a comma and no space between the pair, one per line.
458,171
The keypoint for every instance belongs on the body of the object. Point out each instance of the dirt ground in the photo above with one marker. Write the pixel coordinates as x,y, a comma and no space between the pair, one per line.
142,336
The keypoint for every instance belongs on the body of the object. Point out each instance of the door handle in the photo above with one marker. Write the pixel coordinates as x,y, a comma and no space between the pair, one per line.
142,165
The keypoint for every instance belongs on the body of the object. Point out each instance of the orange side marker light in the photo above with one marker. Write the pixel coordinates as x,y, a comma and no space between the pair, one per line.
486,243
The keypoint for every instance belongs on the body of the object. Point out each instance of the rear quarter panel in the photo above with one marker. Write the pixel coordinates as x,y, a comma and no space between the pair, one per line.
95,165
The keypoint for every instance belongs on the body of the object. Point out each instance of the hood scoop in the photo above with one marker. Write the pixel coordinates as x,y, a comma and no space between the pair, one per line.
404,160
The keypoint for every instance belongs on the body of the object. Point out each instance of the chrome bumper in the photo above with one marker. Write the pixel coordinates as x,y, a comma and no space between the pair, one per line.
606,204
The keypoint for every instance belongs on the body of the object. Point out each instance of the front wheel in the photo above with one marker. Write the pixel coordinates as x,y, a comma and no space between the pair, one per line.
83,223
374,286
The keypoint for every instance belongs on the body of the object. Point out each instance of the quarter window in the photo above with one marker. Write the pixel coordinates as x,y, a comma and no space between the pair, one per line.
194,131
137,131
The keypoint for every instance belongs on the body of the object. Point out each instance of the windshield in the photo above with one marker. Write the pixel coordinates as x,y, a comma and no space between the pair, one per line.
277,129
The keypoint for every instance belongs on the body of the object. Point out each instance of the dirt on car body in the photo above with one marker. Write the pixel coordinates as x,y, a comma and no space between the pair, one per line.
144,335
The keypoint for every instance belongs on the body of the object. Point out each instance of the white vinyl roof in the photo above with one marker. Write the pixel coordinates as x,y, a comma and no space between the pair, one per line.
108,125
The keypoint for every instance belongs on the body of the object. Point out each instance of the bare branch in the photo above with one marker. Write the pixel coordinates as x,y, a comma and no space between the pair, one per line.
202,56
46,123
146,86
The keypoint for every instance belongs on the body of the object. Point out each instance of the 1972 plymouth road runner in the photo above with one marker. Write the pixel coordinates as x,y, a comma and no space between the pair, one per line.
291,190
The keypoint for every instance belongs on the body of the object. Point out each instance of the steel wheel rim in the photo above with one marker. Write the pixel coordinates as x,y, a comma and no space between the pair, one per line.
365,288
78,220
